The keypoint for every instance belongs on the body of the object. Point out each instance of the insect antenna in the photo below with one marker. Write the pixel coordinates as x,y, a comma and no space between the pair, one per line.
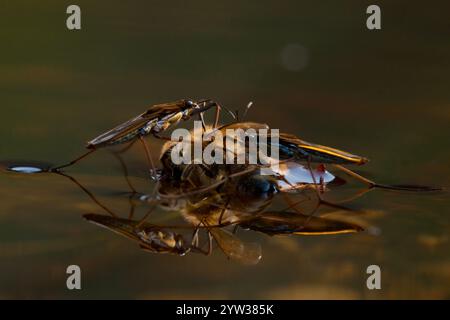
249,105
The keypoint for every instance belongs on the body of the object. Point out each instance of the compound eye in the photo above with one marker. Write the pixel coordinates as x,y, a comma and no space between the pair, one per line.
189,103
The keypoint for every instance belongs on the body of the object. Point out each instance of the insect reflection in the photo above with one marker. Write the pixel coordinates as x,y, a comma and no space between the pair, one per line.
213,215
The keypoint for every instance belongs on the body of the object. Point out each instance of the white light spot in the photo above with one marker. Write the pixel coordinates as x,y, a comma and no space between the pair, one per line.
24,169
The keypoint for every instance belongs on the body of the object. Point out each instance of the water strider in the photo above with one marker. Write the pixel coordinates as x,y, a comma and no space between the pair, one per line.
219,198
155,120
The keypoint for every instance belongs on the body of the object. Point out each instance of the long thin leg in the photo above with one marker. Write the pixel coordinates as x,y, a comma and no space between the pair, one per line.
73,161
210,243
223,211
283,178
370,183
126,148
132,207
90,194
125,172
202,119
216,118
319,196
149,157
293,205
313,179
355,196
127,179
157,135
195,244
195,241
210,238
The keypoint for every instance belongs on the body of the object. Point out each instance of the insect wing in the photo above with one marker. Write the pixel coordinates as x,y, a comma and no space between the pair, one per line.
121,131
320,153
247,253
153,114
120,226
294,223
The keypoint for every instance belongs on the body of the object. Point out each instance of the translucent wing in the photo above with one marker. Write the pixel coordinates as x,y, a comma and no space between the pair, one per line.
247,253
119,133
149,237
319,153
120,226
294,223
130,128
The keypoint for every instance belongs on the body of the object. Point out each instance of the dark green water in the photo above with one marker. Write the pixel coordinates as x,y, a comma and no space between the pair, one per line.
382,94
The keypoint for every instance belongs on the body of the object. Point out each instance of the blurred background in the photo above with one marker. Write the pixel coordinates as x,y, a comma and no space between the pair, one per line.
311,68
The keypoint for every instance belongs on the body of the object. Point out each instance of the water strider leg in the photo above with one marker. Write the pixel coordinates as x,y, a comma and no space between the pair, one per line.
73,161
370,183
149,157
317,189
313,179
127,179
321,184
125,172
216,117
355,196
202,119
223,211
132,207
195,241
212,237
86,154
126,148
293,205
154,203
90,194
157,135
319,196
195,245
210,243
